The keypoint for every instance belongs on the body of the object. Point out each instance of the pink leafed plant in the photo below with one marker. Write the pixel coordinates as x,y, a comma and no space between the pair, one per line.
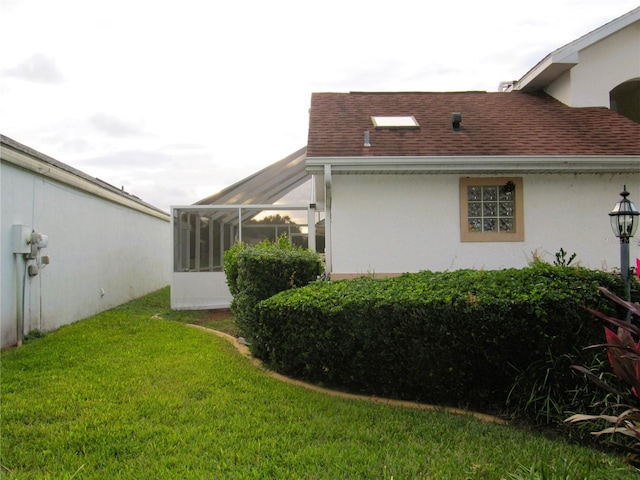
623,352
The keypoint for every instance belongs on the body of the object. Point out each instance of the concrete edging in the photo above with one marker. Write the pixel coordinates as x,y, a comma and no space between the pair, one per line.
244,350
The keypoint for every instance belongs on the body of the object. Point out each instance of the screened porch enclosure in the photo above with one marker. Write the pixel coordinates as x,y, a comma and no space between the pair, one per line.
203,233
243,212
201,241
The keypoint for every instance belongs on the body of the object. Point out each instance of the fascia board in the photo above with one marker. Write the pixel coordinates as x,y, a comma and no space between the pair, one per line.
39,167
550,68
468,164
600,33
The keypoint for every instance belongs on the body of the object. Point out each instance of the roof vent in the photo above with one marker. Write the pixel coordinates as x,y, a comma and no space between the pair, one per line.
367,142
456,119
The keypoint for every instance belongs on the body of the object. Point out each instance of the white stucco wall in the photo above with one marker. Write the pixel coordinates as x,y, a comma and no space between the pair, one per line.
95,246
602,66
406,223
199,290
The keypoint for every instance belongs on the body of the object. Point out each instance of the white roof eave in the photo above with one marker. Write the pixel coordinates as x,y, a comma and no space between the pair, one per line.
477,165
550,68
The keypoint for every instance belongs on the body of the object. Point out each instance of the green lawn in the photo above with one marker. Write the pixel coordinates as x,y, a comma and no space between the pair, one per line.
123,395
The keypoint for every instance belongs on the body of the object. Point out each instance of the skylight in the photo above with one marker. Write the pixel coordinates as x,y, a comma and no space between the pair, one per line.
408,121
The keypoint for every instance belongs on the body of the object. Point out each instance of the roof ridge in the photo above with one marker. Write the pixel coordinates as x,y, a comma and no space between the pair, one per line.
375,92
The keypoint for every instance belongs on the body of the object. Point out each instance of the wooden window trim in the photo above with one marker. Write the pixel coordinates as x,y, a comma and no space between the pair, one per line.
466,235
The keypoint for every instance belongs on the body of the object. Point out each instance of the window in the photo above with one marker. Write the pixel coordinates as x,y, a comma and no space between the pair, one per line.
395,122
491,210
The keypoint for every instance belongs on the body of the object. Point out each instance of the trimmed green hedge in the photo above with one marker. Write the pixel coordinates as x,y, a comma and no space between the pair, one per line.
256,273
461,338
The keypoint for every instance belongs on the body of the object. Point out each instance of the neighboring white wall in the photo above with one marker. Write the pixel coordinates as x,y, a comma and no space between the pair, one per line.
95,245
602,67
407,223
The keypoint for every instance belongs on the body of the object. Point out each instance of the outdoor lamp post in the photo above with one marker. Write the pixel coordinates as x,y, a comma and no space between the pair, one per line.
624,223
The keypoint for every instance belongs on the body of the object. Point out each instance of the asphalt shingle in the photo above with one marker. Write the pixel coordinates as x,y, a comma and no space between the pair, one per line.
493,124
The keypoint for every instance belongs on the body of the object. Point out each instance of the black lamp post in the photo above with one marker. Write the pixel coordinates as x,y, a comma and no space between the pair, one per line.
624,223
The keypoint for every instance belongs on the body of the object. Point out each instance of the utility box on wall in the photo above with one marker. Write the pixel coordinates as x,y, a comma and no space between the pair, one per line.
21,235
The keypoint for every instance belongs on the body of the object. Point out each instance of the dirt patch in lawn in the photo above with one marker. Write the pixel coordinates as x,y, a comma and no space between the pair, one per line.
219,319
216,315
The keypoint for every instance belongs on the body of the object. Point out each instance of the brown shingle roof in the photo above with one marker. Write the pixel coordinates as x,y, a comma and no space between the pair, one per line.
499,123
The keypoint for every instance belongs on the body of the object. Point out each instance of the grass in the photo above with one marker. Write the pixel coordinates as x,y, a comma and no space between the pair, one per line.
221,320
123,395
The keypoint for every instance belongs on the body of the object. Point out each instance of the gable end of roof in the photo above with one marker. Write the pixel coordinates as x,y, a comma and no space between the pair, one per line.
567,56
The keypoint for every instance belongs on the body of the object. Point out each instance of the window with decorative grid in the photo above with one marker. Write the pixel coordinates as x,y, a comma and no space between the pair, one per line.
491,210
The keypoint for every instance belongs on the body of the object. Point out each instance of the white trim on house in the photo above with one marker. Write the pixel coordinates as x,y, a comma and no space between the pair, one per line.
478,165
327,217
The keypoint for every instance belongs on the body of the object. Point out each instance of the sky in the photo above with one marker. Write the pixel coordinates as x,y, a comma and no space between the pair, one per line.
174,100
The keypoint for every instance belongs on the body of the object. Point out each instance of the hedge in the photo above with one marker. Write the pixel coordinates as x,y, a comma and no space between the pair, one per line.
256,273
478,339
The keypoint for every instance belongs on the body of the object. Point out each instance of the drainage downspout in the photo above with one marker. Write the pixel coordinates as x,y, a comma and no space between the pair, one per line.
327,219
311,217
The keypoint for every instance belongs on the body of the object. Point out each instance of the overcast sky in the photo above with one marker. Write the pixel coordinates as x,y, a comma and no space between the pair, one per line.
175,100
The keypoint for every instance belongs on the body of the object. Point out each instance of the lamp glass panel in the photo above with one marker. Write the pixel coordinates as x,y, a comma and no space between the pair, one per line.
616,226
629,224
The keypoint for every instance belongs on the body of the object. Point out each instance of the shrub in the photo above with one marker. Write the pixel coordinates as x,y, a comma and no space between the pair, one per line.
231,266
623,353
458,338
256,273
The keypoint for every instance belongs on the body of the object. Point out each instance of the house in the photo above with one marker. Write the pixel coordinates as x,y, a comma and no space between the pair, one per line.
71,245
408,181
438,181
413,180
